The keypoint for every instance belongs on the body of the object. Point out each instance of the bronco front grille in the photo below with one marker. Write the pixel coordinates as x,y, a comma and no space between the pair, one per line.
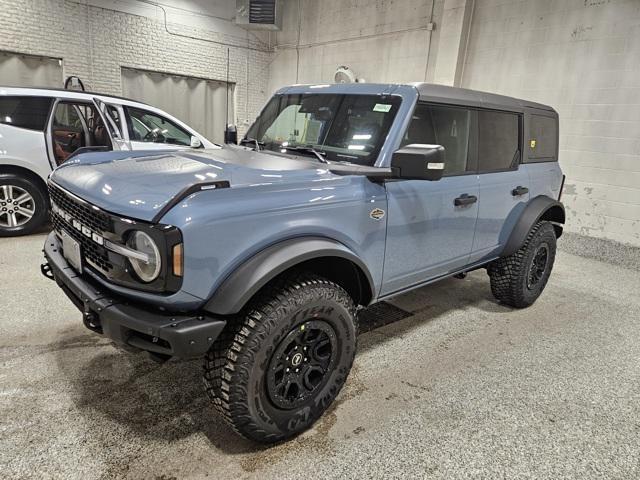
93,218
97,220
91,251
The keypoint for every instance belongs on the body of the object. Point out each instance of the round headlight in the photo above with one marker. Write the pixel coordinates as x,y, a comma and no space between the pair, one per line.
141,242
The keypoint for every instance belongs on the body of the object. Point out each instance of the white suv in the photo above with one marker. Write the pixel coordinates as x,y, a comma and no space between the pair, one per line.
41,128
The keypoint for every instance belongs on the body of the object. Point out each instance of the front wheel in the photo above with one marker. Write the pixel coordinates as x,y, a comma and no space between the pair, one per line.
285,361
519,279
23,205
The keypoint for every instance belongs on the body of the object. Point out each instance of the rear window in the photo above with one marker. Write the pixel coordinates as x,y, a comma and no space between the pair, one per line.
543,138
25,112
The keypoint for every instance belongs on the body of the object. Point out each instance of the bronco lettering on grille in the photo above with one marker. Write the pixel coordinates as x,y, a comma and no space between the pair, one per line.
86,231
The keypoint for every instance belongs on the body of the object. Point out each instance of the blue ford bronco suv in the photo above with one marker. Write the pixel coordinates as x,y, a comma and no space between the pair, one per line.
259,256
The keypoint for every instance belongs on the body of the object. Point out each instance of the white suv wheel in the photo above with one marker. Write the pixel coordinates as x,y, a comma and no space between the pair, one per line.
17,206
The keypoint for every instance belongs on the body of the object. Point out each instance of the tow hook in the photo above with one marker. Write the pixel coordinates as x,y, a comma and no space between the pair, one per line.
91,321
45,269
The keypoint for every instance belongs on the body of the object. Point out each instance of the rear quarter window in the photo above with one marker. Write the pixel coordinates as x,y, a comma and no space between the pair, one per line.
25,112
543,139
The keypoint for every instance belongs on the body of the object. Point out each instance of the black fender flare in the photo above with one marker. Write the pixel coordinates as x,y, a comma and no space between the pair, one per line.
246,280
541,207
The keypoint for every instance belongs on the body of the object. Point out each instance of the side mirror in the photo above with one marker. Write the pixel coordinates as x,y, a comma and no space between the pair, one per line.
418,162
195,142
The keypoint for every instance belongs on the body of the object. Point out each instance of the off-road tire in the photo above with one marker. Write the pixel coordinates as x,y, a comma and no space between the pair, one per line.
510,282
39,204
236,367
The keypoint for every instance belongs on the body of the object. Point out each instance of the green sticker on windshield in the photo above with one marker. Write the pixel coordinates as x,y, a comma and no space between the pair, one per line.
382,107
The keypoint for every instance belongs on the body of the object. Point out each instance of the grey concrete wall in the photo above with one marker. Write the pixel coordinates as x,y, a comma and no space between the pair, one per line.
381,41
583,58
95,39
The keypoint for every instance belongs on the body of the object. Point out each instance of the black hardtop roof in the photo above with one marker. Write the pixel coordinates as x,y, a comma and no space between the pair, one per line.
427,92
431,92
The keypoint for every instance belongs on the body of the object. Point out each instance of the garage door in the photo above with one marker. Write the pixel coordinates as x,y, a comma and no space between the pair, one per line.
199,103
17,70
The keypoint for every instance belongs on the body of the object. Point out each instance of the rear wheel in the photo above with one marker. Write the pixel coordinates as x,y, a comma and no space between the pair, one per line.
288,358
519,279
23,205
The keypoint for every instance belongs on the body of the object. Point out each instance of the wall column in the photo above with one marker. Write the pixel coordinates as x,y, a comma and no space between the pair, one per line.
452,41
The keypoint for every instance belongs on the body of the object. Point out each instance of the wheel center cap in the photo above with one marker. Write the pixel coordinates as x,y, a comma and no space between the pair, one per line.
296,359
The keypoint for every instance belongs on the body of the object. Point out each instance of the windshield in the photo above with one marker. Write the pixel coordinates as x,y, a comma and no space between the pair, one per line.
343,128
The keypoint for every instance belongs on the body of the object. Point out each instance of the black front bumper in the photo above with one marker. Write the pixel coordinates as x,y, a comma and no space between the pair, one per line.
131,325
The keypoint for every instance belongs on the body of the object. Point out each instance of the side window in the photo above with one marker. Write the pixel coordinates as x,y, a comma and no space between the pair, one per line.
446,126
543,138
25,112
145,126
498,140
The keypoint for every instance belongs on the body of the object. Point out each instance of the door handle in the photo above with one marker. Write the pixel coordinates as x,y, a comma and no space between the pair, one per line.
519,190
465,199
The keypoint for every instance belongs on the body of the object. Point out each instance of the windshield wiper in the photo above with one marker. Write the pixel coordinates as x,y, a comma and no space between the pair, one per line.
255,142
309,149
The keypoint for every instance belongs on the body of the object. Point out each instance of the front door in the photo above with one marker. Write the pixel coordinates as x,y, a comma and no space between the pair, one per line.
431,225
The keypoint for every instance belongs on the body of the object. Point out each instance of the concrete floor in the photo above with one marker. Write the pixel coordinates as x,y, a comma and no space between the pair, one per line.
465,388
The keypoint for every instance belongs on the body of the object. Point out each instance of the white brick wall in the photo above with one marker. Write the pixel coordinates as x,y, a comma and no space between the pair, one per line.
95,43
583,58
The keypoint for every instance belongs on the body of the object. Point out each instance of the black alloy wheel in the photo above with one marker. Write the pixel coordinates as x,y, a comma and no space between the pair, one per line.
538,265
300,364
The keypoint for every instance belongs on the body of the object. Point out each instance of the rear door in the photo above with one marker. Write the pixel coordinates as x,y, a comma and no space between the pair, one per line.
504,186
431,225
